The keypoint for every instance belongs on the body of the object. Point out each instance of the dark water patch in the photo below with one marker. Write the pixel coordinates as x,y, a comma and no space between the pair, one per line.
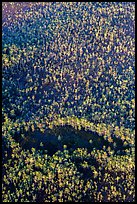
53,140
39,141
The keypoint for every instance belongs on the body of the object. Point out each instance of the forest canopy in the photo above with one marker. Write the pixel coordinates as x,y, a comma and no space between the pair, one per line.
68,101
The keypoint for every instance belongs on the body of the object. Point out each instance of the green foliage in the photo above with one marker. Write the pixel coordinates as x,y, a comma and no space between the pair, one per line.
66,176
68,102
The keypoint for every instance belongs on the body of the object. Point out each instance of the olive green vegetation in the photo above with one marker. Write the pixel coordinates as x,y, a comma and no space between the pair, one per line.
68,102
67,175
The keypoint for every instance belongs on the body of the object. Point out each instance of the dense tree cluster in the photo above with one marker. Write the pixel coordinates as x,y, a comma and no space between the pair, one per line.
78,175
68,78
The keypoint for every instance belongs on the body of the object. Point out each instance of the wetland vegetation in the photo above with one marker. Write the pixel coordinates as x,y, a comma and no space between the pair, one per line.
68,101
